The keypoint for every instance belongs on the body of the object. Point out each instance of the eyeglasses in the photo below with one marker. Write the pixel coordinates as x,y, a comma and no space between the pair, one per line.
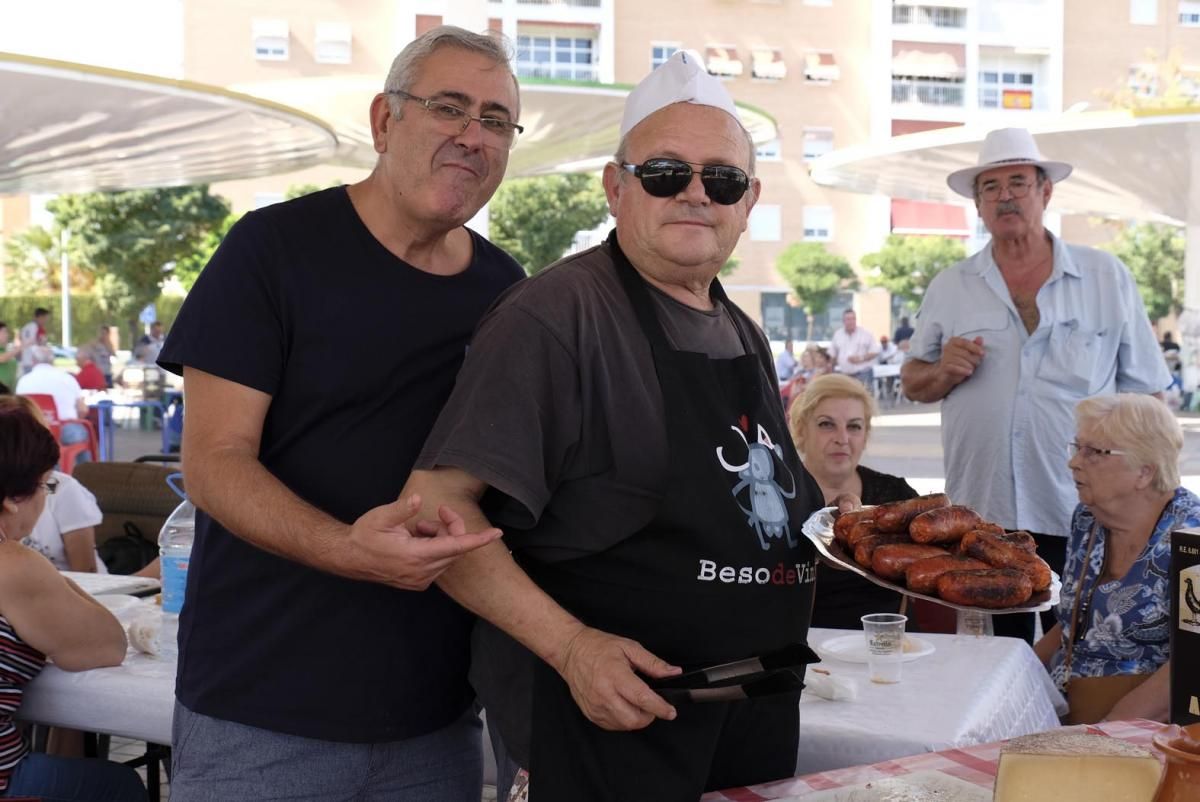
1092,454
500,131
50,486
1017,189
663,178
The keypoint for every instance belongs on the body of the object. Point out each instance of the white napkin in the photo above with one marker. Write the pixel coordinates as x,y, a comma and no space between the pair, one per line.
829,685
142,629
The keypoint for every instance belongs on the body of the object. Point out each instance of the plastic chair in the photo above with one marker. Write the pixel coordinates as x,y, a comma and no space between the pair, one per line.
68,452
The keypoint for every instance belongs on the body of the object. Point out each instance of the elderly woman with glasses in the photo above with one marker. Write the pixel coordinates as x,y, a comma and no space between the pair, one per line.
1109,650
830,422
44,615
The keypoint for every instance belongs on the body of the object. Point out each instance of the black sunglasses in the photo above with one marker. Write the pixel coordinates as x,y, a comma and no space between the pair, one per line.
770,674
663,178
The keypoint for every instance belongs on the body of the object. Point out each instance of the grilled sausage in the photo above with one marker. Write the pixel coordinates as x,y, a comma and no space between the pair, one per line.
1022,540
922,575
865,548
845,521
896,515
993,588
943,525
891,560
860,530
1000,552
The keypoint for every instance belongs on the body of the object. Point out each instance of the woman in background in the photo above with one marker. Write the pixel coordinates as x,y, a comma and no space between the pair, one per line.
44,615
830,423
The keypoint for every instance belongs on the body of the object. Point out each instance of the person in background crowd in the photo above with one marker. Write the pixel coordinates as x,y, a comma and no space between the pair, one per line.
46,379
1012,338
785,363
1168,344
149,345
44,615
10,355
103,351
830,424
1114,612
887,350
303,566
903,333
88,375
33,333
853,348
617,463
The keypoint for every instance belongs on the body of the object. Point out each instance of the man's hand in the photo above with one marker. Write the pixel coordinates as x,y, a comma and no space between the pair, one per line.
600,670
959,359
386,545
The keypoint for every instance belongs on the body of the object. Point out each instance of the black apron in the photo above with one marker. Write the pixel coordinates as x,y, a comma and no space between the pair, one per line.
721,573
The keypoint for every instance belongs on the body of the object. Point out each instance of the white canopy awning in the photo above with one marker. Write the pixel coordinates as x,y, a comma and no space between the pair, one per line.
72,127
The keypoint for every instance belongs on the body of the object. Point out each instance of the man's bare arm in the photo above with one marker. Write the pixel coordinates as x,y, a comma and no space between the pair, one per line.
225,478
600,668
933,381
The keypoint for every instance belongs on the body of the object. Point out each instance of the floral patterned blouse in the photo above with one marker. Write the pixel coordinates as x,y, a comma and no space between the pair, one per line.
1126,628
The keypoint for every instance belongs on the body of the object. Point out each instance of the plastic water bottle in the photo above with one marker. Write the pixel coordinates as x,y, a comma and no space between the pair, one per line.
174,551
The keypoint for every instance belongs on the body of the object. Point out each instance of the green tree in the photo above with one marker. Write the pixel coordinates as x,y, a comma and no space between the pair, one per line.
132,240
32,258
535,219
1158,82
815,275
1154,254
731,264
300,190
187,269
905,265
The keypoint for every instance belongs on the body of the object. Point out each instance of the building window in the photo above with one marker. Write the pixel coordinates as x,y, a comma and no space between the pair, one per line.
818,223
933,16
661,51
569,58
1143,12
771,151
820,67
767,62
1006,90
766,223
1189,12
817,142
722,61
270,38
333,43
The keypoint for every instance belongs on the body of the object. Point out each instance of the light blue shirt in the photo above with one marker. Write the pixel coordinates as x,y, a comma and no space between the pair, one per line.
1005,429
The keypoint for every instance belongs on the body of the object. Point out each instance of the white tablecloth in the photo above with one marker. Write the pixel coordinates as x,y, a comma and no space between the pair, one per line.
970,690
106,584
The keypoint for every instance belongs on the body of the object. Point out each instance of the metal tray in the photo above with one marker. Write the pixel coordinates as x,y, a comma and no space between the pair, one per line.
819,529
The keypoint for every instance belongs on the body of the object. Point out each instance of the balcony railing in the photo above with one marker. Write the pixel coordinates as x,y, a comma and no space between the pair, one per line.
562,72
927,93
936,16
568,3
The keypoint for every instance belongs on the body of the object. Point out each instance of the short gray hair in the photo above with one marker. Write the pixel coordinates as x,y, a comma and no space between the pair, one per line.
1140,425
41,354
406,66
623,148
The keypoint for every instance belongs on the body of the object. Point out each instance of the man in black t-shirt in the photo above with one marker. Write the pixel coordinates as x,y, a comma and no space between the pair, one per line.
315,662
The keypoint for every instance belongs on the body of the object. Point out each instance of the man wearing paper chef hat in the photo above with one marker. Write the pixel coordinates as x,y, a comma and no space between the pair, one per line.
1010,339
623,418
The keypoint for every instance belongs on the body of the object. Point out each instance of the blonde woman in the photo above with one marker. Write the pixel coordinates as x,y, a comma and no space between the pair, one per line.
830,423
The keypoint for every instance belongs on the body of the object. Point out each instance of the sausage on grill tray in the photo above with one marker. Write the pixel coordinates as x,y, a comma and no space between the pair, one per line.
896,515
999,552
864,549
891,560
1022,540
860,530
922,575
943,525
993,588
845,521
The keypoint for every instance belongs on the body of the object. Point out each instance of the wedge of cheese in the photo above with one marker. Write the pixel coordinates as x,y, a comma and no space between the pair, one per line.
1075,767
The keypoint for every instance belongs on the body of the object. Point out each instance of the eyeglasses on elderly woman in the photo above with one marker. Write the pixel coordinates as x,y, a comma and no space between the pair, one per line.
1090,453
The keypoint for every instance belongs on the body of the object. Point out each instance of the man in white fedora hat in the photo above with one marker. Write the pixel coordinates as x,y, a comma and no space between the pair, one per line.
1012,338
623,417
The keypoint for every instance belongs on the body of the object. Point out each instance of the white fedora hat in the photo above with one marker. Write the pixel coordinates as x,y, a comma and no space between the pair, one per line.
1005,146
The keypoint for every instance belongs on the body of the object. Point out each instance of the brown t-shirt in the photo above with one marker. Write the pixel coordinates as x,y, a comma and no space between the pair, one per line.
558,408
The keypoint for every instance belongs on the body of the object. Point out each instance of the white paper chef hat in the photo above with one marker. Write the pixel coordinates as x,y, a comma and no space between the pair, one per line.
680,79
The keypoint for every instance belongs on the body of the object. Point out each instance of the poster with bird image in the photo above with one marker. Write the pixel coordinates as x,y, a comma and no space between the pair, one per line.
1185,632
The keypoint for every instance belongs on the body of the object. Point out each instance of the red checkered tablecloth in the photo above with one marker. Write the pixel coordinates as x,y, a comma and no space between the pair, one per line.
974,764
